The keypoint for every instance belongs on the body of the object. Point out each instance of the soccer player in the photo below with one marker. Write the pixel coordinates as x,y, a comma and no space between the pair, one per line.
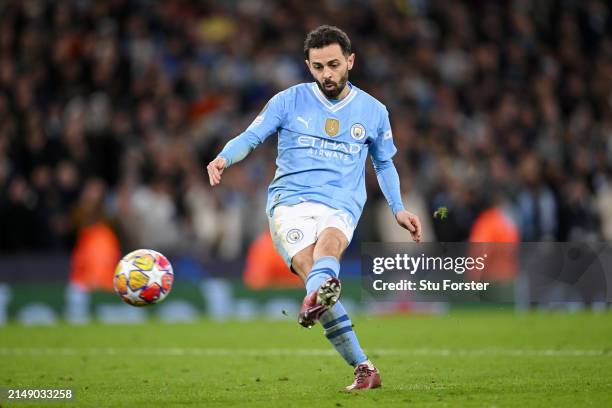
325,131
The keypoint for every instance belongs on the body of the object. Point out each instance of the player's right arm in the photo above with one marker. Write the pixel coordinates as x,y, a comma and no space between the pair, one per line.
266,123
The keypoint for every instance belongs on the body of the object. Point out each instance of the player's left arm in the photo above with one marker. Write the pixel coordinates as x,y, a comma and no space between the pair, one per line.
382,152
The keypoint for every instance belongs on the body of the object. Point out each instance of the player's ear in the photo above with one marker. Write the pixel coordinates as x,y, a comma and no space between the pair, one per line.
309,66
350,60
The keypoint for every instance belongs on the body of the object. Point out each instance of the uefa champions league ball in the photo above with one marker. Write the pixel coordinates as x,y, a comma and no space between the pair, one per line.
143,277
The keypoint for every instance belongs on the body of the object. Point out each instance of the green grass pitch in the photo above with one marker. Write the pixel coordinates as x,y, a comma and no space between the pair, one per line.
464,359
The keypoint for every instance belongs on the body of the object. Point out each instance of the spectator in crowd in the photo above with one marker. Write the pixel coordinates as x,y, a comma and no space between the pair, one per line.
139,94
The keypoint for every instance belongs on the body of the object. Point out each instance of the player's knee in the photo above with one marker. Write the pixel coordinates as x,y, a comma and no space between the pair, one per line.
330,244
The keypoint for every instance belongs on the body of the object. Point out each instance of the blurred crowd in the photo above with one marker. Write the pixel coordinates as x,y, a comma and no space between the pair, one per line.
109,111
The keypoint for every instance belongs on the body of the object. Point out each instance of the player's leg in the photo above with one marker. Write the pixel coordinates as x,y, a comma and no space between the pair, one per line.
331,243
321,294
301,263
321,279
336,323
294,232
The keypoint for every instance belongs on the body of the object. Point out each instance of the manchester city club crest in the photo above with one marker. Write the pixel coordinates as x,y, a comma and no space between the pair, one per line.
294,235
358,132
332,127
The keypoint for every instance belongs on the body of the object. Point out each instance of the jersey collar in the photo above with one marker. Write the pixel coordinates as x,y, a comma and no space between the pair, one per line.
334,107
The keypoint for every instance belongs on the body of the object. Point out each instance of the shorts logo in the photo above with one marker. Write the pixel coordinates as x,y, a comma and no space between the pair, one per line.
388,135
358,132
294,235
332,126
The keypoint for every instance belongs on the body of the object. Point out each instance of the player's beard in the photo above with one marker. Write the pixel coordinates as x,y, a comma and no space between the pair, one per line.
337,88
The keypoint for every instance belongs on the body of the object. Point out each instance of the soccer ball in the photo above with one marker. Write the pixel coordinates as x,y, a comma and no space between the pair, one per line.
143,277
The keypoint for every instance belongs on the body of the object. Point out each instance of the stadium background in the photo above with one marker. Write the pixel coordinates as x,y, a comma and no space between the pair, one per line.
110,110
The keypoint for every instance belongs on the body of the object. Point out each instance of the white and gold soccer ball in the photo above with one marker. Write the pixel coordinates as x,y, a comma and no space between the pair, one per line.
143,277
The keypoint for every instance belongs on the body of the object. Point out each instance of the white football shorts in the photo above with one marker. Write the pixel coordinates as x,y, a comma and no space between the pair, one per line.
294,227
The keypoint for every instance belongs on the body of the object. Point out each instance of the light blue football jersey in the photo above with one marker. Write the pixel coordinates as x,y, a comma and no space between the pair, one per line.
322,147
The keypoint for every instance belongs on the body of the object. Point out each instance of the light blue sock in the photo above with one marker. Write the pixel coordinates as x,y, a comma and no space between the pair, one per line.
339,332
323,269
337,325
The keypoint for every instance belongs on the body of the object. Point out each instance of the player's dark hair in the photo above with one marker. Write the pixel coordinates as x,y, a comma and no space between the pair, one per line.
326,35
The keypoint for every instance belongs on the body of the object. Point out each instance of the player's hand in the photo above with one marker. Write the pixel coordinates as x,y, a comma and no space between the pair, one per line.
215,170
411,222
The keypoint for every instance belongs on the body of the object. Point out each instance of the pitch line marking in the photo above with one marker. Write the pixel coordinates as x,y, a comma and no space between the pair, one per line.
279,352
